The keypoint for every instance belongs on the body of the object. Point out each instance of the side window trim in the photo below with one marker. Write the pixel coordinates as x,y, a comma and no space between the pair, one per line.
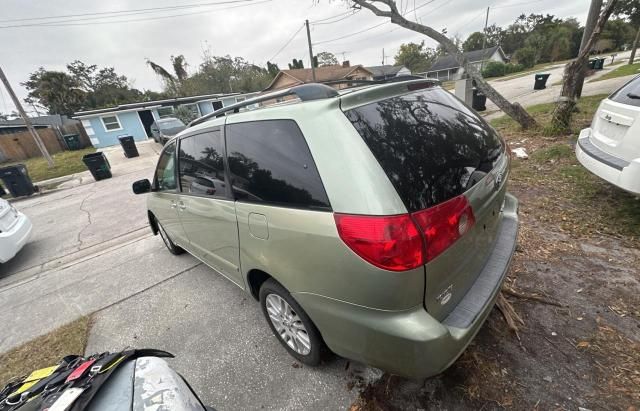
227,194
156,186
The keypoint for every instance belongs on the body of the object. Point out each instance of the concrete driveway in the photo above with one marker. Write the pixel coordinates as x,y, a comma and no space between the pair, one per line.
92,252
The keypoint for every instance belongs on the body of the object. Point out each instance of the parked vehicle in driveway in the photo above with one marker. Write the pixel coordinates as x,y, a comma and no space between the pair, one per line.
374,222
165,128
610,148
15,230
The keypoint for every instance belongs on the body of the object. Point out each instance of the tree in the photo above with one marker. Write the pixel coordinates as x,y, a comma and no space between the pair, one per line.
273,69
475,42
326,58
82,87
172,81
183,114
630,9
563,112
619,31
415,56
390,10
296,64
526,56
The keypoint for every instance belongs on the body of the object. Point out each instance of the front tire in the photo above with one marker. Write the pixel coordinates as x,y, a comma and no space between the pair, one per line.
171,246
291,324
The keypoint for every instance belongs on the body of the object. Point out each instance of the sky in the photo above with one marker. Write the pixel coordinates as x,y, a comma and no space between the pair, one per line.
124,33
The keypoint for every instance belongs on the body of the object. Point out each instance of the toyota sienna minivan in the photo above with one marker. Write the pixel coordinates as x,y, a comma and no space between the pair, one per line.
373,222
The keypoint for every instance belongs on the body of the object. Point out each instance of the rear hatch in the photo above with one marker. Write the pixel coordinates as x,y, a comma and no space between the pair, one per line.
615,127
443,159
8,216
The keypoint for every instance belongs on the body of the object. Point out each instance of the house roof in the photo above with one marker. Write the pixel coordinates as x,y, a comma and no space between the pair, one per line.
386,70
323,74
49,120
148,104
448,61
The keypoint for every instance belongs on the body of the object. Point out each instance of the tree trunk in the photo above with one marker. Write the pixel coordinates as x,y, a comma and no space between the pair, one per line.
515,110
634,47
563,112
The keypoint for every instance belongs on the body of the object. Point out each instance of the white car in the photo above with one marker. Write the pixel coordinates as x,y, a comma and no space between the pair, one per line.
610,148
15,230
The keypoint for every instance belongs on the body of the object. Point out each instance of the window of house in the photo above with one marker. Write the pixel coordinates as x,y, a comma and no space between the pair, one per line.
165,112
270,162
111,123
201,160
193,108
166,170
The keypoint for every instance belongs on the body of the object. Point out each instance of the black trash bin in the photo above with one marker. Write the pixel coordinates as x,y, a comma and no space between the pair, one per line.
599,64
98,164
16,179
479,102
592,64
541,81
129,146
2,192
72,141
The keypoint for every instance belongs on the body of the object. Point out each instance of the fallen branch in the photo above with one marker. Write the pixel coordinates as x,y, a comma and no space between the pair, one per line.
518,294
509,313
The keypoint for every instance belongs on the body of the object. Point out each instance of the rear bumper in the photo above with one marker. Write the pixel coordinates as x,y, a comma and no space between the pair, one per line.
412,343
619,172
13,240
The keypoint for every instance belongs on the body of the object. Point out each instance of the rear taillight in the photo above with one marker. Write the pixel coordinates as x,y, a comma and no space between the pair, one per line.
390,242
444,224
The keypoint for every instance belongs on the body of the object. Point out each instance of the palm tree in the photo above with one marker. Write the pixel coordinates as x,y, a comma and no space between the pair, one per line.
173,82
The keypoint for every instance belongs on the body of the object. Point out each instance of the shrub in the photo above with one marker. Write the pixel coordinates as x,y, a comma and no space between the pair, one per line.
493,69
525,56
512,68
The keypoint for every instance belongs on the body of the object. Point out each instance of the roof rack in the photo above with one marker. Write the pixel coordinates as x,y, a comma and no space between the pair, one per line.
396,79
305,92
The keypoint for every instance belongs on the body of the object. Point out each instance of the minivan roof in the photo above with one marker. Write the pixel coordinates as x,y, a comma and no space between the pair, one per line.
353,96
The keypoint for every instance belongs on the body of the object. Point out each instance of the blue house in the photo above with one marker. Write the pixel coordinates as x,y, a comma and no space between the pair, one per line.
104,126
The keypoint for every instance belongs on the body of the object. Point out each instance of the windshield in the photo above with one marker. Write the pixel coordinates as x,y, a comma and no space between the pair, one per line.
431,146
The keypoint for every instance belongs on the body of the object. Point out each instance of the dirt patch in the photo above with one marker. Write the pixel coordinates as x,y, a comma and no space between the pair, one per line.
578,254
44,351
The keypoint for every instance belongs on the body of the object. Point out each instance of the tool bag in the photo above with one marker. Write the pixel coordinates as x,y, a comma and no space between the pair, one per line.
69,385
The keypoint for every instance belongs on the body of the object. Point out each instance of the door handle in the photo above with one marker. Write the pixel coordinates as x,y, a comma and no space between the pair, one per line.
182,206
173,204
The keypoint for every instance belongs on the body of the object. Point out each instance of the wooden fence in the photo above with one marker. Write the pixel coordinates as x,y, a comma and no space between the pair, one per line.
21,146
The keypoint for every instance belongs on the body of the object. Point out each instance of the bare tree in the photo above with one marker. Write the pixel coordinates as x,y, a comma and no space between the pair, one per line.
390,9
563,111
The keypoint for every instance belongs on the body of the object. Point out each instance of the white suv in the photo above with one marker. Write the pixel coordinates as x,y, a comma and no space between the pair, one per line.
15,230
610,148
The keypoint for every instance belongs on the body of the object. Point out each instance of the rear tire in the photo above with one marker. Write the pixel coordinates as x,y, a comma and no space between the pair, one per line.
291,324
171,246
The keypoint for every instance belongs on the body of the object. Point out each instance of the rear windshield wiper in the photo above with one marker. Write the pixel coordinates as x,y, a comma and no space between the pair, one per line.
633,95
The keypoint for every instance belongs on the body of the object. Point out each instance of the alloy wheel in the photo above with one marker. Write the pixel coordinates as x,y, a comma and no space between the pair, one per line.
288,324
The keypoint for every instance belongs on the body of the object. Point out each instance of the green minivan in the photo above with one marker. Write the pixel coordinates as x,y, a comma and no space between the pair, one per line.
373,222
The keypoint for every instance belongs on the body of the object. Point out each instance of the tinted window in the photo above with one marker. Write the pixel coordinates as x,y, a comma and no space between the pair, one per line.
270,162
629,93
202,164
166,170
431,146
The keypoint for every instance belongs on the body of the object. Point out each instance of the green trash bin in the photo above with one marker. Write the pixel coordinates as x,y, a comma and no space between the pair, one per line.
599,64
592,64
72,141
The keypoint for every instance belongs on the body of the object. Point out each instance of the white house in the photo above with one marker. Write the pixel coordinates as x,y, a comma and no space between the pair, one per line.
447,68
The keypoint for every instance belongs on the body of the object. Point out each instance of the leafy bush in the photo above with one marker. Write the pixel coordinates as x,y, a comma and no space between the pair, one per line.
493,69
526,56
512,68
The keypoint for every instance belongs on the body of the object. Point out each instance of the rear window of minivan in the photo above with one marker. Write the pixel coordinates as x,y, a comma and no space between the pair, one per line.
431,146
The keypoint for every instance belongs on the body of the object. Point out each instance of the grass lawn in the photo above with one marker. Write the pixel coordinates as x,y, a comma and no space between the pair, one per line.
624,70
533,70
44,351
552,164
66,162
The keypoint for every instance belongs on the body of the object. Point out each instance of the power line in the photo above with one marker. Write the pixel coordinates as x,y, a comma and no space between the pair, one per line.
287,43
516,4
335,21
83,22
332,17
116,12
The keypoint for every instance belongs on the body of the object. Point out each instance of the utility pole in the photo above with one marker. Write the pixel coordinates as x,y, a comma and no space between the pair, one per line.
27,121
313,67
484,39
383,56
592,17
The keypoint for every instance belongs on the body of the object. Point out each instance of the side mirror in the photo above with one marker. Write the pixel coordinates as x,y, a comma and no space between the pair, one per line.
141,186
